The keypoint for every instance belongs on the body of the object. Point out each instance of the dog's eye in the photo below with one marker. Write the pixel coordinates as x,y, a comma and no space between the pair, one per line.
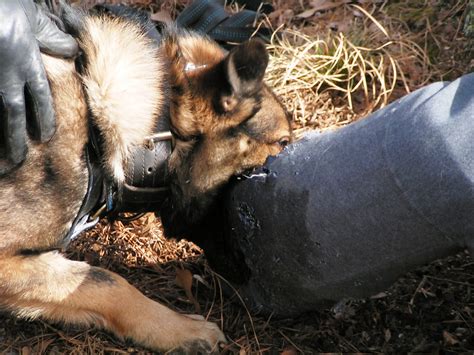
284,142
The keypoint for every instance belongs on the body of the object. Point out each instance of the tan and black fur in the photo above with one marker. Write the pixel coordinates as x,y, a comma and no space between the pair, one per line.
225,121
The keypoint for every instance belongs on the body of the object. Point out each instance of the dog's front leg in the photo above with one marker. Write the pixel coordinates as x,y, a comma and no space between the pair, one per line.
50,286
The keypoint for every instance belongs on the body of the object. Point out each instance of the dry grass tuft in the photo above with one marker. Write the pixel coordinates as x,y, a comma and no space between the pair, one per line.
352,73
340,65
303,70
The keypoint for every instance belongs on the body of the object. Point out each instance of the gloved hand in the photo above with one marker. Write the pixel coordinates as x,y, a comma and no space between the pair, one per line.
25,97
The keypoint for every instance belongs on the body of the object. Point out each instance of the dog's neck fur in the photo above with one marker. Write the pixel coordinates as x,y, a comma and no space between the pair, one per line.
125,82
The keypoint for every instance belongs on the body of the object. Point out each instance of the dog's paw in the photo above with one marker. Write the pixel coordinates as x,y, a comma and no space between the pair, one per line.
205,339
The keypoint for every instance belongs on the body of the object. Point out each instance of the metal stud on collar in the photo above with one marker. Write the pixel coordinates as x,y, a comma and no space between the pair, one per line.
160,136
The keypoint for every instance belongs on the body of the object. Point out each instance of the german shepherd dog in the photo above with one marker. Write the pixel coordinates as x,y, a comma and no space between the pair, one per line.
224,120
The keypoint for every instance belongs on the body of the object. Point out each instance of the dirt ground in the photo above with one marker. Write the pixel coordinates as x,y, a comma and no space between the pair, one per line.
430,309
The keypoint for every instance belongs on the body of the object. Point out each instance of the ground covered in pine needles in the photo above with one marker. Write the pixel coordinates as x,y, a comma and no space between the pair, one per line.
332,62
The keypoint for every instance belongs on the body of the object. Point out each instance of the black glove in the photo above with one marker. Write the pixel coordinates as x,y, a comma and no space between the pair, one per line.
25,97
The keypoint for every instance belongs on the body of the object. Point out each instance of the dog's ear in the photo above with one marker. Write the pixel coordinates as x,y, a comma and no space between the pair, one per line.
245,67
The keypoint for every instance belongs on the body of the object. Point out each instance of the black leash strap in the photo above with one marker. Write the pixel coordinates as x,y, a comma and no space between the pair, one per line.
95,189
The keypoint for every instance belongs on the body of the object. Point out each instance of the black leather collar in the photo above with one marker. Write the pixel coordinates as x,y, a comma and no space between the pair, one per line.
146,184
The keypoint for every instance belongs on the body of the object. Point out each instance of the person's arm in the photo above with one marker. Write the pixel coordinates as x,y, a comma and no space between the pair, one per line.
25,97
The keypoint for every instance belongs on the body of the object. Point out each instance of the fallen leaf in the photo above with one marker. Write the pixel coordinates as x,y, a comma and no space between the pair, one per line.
289,350
321,5
387,335
307,13
449,338
184,279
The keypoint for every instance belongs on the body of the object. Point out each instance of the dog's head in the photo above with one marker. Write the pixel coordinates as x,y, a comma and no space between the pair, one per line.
224,119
